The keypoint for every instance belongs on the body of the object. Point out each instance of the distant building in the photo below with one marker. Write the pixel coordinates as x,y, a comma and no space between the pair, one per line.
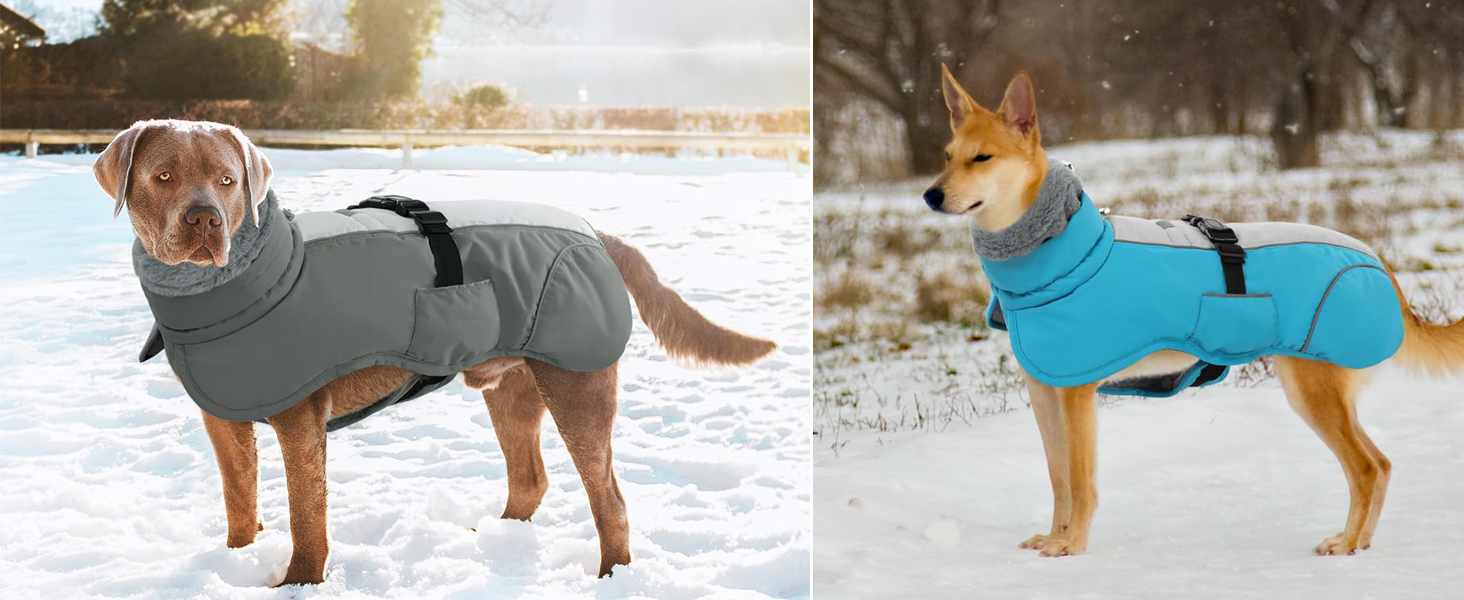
16,30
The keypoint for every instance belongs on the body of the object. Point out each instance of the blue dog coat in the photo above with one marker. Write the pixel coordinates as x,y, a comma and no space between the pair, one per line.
1108,291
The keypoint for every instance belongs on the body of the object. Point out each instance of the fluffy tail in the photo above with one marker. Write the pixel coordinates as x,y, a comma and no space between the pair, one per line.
683,333
1435,349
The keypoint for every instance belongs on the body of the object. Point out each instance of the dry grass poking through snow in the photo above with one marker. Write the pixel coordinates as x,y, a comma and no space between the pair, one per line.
899,336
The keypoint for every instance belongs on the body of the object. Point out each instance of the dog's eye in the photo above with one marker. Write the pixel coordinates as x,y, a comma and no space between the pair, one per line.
948,157
226,180
981,158
165,176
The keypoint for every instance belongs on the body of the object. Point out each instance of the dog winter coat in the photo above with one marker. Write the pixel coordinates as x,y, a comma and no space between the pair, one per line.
1108,291
332,292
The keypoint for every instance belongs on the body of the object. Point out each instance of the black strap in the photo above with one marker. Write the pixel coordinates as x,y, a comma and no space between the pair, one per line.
1208,373
1232,256
1232,265
433,226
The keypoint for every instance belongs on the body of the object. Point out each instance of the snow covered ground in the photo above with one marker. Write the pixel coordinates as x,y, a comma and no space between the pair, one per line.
1220,494
929,467
108,486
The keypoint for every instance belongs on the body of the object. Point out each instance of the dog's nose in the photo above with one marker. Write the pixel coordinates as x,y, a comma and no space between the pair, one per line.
934,197
203,216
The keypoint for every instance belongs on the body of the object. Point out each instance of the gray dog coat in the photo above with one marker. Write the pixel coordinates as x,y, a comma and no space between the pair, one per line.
335,292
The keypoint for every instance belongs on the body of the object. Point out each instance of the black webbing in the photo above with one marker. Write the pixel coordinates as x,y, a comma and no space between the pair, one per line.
433,226
1232,266
1208,373
1232,256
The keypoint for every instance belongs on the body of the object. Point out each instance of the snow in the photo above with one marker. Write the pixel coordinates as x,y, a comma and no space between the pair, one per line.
109,484
1220,494
930,469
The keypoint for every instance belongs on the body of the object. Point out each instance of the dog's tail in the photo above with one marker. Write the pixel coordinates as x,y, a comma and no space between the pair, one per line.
1434,349
683,333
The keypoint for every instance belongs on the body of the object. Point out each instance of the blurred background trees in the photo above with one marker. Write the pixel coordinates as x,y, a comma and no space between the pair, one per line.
1288,69
889,52
394,36
710,65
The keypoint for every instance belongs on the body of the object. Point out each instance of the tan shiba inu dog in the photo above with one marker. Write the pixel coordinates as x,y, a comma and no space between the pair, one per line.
995,166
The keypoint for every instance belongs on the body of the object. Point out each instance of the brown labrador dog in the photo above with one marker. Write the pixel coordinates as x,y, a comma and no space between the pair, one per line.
181,183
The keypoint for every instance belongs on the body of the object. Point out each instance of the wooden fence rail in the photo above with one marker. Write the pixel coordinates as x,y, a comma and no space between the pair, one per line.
791,144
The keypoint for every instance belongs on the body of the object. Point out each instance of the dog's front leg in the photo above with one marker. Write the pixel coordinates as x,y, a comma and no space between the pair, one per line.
301,432
1080,431
1048,409
238,457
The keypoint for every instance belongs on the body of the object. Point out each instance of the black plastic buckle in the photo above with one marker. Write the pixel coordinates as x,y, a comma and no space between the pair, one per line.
400,205
431,222
1213,229
407,206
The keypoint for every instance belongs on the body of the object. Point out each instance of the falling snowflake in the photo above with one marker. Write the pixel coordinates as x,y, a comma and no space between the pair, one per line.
907,86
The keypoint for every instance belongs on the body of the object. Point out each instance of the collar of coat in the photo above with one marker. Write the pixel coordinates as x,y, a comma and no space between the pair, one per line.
1056,266
186,279
1057,200
255,288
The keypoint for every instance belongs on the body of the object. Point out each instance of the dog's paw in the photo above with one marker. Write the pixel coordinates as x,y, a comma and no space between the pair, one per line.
1035,542
1338,545
1061,547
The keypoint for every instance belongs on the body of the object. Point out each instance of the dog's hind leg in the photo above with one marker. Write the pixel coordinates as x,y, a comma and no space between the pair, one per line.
583,407
1080,430
238,457
1380,489
301,432
1048,410
1323,394
517,410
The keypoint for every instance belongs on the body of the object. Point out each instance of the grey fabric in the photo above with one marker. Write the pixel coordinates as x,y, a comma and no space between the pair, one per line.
1251,236
186,278
307,310
1058,198
318,225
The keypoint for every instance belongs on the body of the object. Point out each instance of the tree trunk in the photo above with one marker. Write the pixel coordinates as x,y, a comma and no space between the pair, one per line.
1219,107
927,121
926,144
1294,133
1242,102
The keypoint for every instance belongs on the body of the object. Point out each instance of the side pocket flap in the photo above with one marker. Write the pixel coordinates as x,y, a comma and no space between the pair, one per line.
455,323
1236,324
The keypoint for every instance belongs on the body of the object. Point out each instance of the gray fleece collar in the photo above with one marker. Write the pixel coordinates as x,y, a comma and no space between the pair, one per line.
1057,200
187,279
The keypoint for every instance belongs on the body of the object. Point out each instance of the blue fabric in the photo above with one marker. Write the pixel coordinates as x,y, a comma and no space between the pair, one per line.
1084,306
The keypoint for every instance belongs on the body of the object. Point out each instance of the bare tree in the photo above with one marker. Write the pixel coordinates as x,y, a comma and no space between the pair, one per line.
1292,69
890,51
502,14
1313,31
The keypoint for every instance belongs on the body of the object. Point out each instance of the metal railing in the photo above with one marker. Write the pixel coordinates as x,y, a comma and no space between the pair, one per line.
790,144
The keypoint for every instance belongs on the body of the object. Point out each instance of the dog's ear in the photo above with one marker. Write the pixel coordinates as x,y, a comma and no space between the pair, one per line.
113,168
1019,106
956,99
257,173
